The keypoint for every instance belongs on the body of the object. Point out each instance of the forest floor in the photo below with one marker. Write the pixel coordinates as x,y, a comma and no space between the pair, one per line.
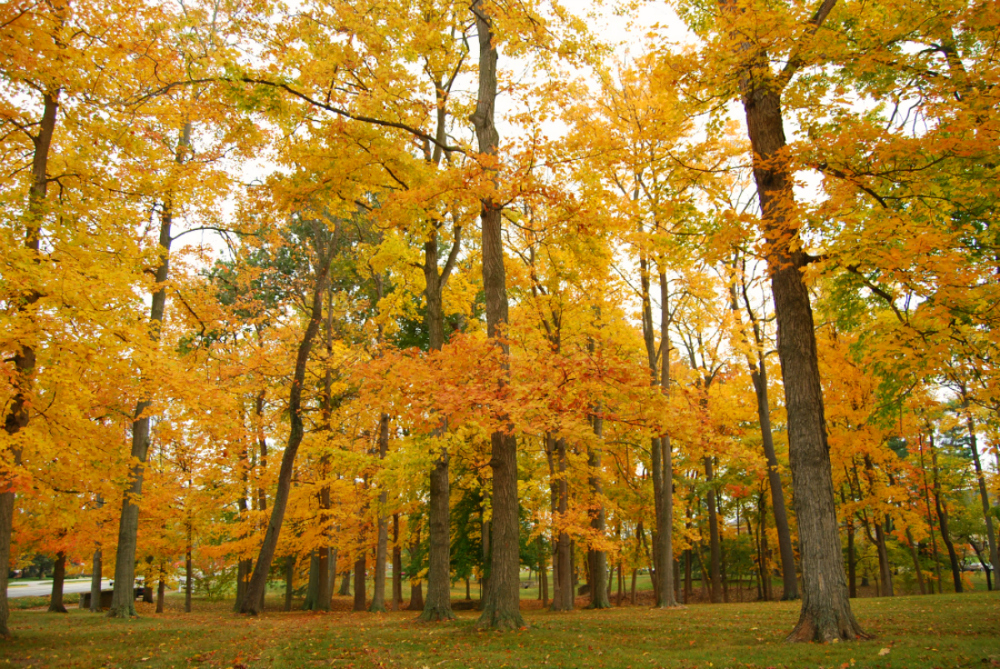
910,632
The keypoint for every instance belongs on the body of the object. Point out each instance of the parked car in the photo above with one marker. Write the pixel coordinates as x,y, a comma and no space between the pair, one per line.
972,566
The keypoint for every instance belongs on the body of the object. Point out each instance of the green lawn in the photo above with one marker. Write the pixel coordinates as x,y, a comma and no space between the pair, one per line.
940,631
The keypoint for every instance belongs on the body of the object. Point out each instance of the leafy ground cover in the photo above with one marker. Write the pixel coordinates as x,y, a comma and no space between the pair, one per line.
910,632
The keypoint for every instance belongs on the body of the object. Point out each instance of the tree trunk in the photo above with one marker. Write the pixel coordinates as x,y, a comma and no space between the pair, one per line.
502,598
345,585
826,609
312,586
24,358
916,561
161,588
852,562
597,558
258,582
942,514
359,582
58,577
984,497
564,595
397,566
122,602
382,542
885,572
95,582
243,570
713,533
662,462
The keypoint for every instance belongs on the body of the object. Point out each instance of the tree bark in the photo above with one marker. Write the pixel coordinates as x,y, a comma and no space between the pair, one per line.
501,608
122,601
95,582
597,558
984,497
58,578
359,582
382,542
916,561
24,358
942,514
258,581
826,610
563,598
161,588
713,534
345,585
397,566
662,462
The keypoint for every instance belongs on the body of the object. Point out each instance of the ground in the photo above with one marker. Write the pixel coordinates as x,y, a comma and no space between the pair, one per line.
910,632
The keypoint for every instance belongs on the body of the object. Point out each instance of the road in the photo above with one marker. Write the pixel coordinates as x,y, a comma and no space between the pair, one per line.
42,588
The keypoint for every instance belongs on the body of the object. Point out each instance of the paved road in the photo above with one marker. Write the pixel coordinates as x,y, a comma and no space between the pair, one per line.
42,588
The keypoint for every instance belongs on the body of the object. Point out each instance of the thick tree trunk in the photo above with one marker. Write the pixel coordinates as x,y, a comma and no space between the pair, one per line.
713,534
359,582
438,604
826,609
501,606
95,582
382,541
564,595
243,570
24,358
122,602
312,586
58,578
258,581
984,497
596,558
161,588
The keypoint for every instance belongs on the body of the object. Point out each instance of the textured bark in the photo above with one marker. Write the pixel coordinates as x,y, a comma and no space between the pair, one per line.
826,610
24,358
258,581
244,568
502,598
438,604
563,597
58,578
596,558
312,586
382,542
122,602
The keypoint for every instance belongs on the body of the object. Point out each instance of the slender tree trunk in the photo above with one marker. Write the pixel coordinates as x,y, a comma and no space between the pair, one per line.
564,595
984,497
597,558
930,520
713,533
543,575
826,609
885,571
258,581
161,587
852,561
312,586
24,358
397,566
502,598
58,577
359,582
663,470
382,542
95,582
942,513
345,585
122,602
916,561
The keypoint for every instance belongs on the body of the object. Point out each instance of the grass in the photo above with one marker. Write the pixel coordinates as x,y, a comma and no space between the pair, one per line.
942,631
